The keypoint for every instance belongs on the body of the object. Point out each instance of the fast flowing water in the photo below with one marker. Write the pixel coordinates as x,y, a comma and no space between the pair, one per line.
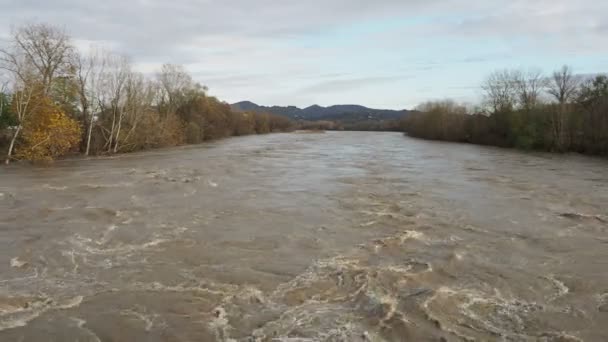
307,237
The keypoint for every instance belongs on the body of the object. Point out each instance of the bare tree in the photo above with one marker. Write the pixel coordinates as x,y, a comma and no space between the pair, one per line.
36,55
563,87
88,71
122,77
110,93
140,96
3,97
530,86
500,90
40,48
175,83
23,98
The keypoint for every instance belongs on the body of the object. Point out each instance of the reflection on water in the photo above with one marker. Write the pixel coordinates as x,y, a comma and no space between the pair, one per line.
307,237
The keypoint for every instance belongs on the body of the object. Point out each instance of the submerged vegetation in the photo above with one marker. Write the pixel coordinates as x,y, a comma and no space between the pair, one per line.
528,110
56,100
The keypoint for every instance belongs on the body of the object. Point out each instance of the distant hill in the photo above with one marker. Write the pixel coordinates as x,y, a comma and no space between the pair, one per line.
316,113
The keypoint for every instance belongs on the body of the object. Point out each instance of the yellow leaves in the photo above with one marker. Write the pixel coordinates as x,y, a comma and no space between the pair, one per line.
49,133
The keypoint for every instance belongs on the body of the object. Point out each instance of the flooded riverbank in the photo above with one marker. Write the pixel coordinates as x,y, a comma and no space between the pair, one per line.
343,236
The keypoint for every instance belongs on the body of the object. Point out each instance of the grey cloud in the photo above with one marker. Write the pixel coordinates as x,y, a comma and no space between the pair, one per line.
533,20
245,80
249,40
151,29
146,26
347,84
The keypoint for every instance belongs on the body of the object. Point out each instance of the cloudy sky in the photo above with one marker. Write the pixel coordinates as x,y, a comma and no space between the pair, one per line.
382,53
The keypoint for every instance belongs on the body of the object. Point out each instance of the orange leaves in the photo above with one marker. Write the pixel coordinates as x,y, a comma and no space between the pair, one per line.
49,133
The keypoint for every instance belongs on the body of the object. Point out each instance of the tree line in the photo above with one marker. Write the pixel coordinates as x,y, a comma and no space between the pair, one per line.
389,125
56,100
562,112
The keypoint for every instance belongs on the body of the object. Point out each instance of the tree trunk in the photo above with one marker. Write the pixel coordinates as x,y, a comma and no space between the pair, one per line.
556,128
12,145
109,144
131,131
118,132
90,130
561,128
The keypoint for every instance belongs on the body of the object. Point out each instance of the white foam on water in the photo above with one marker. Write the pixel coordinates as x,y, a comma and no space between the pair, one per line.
35,275
602,300
384,300
98,246
560,336
455,238
382,213
220,325
61,208
72,255
70,303
472,228
400,269
493,314
411,235
16,263
88,245
105,237
250,294
20,316
147,319
213,289
559,285
108,186
442,291
52,187
18,321
80,323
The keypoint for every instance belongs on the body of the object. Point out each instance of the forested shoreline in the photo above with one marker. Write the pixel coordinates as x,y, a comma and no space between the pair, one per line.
56,100
562,112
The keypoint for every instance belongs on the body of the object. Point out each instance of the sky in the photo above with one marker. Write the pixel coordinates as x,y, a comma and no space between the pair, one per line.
382,54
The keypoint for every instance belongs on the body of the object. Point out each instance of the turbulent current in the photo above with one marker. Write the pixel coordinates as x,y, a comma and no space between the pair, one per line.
307,237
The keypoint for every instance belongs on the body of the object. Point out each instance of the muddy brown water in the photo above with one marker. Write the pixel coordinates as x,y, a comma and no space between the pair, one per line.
307,237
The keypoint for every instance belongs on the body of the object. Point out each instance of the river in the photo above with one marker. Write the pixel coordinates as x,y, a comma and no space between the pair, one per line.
341,236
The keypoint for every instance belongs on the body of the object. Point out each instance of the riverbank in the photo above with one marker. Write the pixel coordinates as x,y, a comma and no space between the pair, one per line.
105,154
561,113
524,151
529,132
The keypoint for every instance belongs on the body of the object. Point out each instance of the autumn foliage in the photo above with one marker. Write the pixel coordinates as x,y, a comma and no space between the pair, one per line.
49,133
61,100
